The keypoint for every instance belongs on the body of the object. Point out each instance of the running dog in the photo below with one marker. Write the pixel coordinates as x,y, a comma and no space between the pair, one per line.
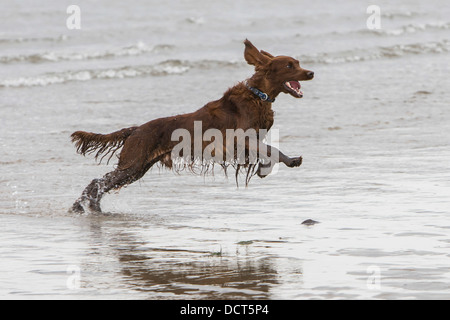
247,105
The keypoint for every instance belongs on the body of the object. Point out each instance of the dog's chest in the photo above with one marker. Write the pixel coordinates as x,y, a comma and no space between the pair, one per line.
264,118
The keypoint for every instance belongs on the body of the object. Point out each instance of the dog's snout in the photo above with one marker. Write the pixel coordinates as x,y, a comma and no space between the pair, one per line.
310,74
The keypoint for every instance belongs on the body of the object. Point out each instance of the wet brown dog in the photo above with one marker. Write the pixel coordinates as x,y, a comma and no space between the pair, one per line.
247,105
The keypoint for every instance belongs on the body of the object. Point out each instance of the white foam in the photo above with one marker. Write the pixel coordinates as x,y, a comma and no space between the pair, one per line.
161,69
377,53
51,56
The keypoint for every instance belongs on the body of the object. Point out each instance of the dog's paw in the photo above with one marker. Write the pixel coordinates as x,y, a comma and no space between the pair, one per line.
77,208
264,170
295,162
261,175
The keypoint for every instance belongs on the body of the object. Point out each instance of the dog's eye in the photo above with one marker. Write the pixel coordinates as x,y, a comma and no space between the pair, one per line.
289,66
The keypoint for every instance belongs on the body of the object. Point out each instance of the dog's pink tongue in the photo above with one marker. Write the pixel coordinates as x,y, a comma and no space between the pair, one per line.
295,84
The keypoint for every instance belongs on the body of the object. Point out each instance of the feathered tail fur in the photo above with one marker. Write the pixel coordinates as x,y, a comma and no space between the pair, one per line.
104,144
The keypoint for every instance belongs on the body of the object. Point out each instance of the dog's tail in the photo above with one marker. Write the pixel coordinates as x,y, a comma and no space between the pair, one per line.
88,142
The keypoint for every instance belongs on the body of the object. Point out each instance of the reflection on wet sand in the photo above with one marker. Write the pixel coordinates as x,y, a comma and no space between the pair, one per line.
175,272
221,279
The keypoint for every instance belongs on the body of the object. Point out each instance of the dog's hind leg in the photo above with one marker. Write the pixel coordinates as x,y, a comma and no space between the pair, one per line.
94,192
91,194
134,162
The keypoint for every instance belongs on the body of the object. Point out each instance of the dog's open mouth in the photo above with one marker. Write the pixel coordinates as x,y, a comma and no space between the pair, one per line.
293,87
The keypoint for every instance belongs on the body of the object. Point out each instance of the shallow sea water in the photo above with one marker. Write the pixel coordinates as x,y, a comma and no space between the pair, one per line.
372,129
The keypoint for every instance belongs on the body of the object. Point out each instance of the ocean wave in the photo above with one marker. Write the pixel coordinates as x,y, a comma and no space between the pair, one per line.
399,31
174,66
160,69
400,14
357,55
167,67
41,39
133,50
410,28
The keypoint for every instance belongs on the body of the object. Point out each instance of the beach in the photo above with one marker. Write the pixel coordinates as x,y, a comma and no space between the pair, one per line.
372,128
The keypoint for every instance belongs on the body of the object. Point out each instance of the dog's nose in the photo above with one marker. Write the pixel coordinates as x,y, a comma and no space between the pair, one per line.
310,74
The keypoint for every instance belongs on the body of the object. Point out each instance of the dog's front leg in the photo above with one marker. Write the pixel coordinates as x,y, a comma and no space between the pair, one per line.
290,162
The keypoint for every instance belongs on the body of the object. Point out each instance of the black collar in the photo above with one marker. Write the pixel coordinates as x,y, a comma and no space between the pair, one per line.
263,96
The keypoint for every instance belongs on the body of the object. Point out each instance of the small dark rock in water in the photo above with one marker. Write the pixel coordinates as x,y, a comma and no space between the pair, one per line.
310,222
244,243
423,92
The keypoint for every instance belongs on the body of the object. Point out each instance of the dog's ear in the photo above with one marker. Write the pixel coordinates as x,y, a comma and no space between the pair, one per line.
267,54
254,57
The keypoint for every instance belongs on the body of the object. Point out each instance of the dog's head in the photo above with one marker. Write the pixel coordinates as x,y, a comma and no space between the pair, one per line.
282,72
